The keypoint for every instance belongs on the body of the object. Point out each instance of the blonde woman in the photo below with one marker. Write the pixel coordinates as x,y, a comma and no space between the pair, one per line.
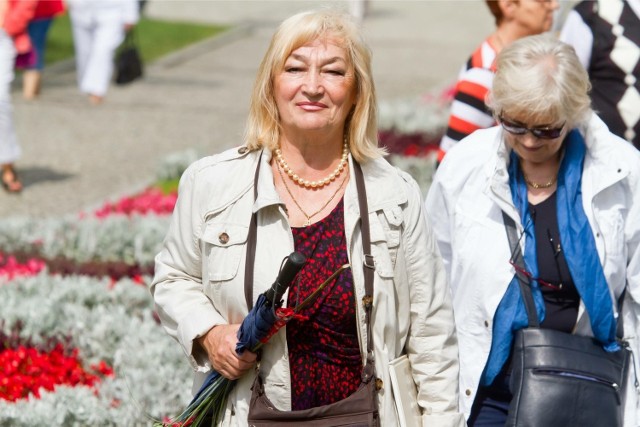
312,117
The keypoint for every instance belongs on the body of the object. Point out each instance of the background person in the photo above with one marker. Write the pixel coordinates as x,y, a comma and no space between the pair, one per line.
99,27
572,188
514,20
606,37
38,29
14,17
312,114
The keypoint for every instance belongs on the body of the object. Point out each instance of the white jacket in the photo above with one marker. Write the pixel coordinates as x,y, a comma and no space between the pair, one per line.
411,313
464,205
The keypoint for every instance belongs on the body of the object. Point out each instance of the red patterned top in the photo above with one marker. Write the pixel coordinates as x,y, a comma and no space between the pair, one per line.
324,354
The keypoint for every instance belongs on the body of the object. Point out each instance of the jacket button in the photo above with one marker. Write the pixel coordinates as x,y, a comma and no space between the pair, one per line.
242,150
486,323
468,392
223,238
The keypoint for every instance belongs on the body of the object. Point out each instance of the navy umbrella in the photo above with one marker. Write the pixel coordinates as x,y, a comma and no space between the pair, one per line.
263,321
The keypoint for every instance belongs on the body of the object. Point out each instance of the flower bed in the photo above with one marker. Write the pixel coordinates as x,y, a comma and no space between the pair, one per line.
80,343
411,130
107,325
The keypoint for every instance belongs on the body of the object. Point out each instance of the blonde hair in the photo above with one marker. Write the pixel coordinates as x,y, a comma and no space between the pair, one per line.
495,10
263,123
541,77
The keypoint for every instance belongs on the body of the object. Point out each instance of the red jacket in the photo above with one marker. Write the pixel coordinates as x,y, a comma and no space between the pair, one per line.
48,9
16,19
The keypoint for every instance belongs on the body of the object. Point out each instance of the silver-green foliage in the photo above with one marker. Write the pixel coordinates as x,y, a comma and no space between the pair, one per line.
106,321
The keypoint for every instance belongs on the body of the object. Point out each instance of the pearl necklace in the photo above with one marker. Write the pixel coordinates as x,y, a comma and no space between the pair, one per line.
313,184
308,221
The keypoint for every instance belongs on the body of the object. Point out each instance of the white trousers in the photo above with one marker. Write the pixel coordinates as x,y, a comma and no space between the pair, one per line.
9,148
97,32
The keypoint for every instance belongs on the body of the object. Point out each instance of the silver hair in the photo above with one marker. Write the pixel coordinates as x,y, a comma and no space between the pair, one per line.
541,78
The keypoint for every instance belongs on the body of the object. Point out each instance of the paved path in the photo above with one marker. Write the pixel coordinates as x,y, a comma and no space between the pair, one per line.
76,156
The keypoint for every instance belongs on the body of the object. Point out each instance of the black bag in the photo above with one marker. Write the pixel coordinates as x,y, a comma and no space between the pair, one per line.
560,379
359,409
128,63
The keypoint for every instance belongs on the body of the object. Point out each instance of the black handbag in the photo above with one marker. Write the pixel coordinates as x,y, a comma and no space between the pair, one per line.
361,407
560,379
128,62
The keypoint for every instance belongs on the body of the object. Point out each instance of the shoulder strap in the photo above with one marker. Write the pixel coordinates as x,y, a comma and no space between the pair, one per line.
525,283
251,244
368,266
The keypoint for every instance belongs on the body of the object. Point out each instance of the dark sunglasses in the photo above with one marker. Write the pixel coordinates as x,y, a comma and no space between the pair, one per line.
517,129
537,279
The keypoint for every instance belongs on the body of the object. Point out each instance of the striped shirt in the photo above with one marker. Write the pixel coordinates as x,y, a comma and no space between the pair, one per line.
606,37
468,110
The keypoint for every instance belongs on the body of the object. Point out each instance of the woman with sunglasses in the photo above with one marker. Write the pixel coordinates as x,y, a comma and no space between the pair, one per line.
572,188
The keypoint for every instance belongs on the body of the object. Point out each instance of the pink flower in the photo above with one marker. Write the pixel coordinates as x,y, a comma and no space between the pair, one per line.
10,268
151,200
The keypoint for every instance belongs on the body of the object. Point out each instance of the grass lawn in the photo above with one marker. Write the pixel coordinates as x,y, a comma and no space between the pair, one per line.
155,38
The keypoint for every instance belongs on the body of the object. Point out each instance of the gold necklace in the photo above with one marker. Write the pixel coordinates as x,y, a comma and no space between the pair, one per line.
313,184
537,185
308,221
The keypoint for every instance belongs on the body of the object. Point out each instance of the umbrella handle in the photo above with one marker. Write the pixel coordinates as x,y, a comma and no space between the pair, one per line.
291,265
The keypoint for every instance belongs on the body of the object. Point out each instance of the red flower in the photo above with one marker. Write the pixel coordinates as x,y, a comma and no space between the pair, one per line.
25,371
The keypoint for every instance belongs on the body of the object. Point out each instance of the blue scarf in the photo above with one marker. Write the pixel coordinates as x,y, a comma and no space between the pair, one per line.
580,253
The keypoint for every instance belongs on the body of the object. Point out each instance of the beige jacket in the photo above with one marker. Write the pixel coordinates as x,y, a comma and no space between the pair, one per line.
412,309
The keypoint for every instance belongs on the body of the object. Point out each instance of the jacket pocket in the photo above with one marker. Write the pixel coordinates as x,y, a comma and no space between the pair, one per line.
612,228
385,239
223,245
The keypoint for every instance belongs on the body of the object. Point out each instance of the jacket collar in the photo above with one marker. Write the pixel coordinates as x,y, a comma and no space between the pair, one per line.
497,174
384,185
267,194
605,163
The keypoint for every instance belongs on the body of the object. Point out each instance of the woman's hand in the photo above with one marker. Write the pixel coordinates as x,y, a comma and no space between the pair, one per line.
220,345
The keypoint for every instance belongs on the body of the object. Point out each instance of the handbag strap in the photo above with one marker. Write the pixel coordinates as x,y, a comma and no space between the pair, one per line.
250,258
130,38
368,264
525,282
